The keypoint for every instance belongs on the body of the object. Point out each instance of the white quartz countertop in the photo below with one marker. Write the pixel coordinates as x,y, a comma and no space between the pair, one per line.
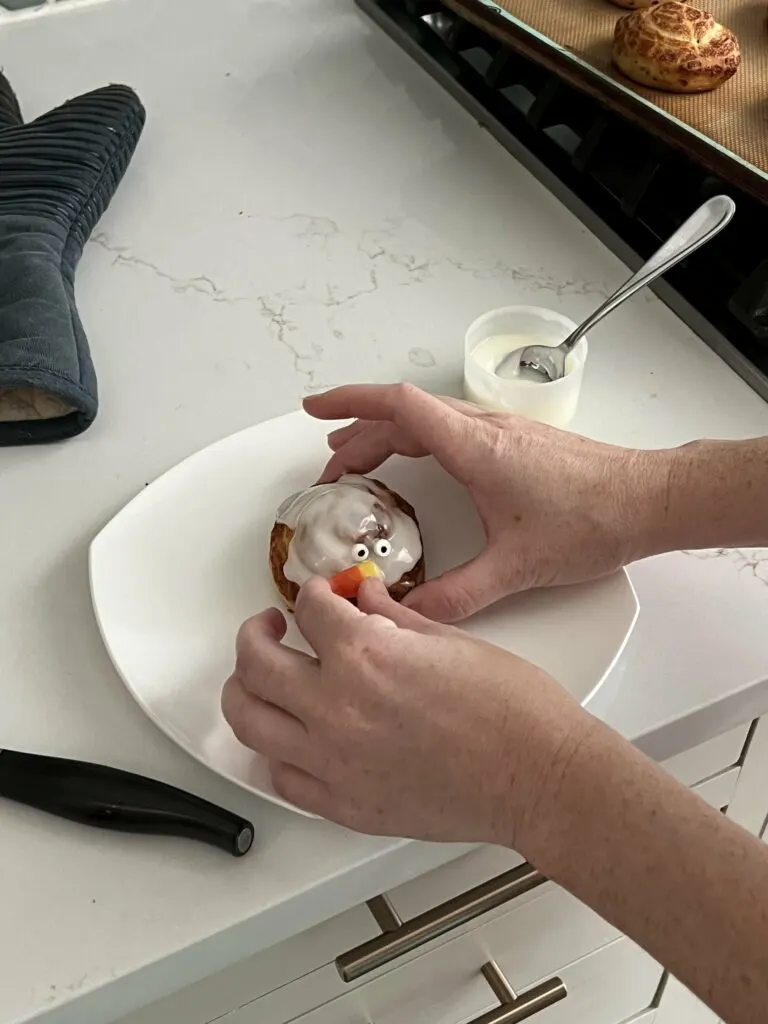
306,207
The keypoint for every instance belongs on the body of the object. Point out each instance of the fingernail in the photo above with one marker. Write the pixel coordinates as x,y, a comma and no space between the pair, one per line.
370,587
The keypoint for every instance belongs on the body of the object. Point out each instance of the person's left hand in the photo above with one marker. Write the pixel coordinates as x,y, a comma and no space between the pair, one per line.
400,726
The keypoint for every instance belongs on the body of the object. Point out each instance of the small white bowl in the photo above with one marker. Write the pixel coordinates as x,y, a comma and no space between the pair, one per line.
553,402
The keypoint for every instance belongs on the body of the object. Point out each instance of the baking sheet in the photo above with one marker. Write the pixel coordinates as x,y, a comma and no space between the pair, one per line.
734,117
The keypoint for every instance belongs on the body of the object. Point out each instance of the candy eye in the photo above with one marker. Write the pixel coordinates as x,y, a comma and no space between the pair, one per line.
382,548
360,553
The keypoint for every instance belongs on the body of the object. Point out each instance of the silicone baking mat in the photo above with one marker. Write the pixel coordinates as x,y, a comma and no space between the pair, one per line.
734,117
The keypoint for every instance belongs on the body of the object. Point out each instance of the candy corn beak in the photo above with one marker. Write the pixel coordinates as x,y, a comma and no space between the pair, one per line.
347,583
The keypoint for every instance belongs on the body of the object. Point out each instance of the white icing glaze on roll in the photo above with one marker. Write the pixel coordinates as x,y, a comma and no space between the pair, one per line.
337,525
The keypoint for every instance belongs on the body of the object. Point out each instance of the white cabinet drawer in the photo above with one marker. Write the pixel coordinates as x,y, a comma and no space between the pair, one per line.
699,763
289,961
536,937
679,1006
749,807
719,790
291,978
609,986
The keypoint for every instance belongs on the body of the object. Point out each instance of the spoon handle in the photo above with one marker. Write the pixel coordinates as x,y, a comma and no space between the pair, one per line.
705,223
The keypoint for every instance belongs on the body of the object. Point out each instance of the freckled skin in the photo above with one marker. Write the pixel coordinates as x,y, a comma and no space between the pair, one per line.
455,740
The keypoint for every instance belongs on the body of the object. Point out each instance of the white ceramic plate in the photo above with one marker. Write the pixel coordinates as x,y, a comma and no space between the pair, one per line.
182,565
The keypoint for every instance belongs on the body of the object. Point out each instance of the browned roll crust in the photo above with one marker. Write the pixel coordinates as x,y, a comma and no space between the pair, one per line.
675,47
282,535
279,541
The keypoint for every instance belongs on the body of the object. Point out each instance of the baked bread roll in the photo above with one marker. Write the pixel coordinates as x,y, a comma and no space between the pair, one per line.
675,47
346,531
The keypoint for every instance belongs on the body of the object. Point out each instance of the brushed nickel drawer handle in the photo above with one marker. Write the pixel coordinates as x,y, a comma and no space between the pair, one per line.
515,1008
400,937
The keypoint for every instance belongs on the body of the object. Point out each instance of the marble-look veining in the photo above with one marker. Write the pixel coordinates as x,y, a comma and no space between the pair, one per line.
753,561
306,208
341,270
343,274
202,284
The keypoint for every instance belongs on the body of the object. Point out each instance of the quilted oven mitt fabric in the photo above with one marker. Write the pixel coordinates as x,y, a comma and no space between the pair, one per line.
58,174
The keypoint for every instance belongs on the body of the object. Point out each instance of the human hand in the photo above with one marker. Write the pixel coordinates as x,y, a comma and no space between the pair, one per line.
557,508
400,726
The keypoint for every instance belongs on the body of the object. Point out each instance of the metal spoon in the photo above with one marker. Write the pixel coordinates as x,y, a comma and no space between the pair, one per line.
547,363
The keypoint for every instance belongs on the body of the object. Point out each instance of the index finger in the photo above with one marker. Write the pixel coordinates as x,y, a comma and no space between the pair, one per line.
377,402
322,616
354,401
405,405
437,424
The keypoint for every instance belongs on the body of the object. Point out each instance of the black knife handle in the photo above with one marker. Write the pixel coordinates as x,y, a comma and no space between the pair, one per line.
94,794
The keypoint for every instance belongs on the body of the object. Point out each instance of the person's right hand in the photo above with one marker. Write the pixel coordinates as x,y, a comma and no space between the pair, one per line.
557,508
402,726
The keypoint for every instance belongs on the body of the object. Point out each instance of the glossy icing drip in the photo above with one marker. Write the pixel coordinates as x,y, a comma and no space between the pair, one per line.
350,521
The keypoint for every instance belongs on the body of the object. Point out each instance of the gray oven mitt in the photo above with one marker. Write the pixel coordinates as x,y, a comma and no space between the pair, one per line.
57,177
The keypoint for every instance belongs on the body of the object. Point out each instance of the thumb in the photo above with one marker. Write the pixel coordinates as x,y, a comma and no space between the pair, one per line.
373,599
462,591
